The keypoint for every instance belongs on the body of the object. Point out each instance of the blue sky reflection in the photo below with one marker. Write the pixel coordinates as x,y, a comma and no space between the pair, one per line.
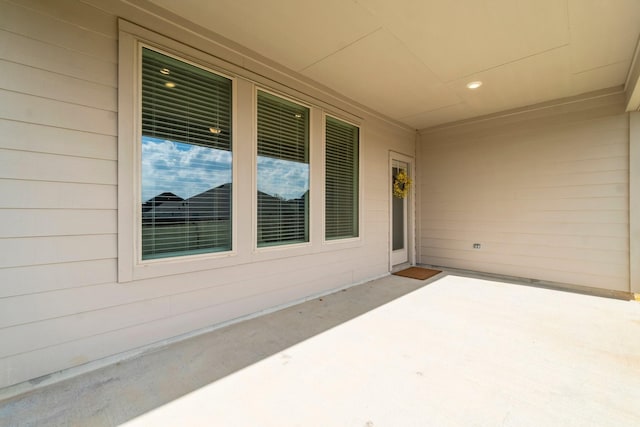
186,170
182,169
282,178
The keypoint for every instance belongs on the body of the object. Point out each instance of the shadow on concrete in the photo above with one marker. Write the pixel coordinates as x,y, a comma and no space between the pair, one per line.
125,390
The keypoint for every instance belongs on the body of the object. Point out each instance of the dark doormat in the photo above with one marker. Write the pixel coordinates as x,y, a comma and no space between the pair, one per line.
417,273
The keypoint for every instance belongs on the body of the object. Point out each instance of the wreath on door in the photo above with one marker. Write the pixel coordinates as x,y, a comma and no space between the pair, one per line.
401,184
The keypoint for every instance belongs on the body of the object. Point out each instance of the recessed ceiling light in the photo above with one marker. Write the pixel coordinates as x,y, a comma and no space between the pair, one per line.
474,85
215,130
298,116
165,71
170,84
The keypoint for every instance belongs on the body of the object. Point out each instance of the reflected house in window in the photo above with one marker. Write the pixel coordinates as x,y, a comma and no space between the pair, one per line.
186,153
282,171
198,222
151,206
167,207
276,211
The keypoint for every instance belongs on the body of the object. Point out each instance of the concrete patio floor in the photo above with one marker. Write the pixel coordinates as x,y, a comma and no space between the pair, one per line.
460,351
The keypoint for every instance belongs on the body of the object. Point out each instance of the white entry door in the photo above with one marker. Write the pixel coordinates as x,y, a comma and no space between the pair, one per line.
401,232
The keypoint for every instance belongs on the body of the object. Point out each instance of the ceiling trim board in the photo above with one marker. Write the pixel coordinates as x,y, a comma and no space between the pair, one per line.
632,84
602,93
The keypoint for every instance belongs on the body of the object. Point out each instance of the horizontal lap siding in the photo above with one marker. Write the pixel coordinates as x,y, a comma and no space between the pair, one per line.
58,180
39,138
546,197
57,154
84,324
58,148
56,195
60,304
34,279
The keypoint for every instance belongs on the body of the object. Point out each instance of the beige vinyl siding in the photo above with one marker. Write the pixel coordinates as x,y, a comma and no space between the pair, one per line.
55,195
34,279
544,192
60,303
57,150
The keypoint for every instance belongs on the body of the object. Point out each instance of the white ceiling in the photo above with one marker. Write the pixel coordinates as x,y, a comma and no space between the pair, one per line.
411,59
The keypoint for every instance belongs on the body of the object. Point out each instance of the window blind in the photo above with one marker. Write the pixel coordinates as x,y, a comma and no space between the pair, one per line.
186,158
341,179
283,171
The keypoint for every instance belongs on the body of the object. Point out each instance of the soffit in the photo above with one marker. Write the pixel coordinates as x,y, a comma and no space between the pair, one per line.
410,60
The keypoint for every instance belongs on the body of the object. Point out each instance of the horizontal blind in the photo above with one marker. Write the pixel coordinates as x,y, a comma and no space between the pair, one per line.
283,171
341,179
186,158
184,103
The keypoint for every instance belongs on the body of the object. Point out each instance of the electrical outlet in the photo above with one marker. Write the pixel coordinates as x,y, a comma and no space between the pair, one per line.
476,246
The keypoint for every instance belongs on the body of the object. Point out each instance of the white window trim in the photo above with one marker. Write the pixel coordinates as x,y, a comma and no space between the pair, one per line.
130,264
348,240
244,110
304,247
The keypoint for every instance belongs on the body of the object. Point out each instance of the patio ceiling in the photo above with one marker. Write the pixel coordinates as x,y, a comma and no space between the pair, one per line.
411,60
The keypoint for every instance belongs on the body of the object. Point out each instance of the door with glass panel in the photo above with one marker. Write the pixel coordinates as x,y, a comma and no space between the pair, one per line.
400,219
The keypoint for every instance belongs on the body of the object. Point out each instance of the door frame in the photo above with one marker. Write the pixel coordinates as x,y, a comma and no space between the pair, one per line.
410,209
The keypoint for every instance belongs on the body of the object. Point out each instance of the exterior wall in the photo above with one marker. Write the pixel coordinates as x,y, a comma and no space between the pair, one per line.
634,202
60,301
545,193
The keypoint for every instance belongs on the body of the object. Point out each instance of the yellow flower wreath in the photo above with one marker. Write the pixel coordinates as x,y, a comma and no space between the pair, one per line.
401,184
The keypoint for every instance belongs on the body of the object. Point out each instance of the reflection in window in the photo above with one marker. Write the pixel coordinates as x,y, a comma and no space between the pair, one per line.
283,171
186,159
186,191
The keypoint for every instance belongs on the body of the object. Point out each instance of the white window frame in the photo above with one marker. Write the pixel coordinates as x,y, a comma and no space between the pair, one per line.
130,264
293,246
347,240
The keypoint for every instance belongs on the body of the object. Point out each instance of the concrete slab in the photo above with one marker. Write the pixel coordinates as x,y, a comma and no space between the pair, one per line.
460,352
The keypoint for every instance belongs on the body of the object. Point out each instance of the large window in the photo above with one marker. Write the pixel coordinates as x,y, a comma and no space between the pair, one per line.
283,171
185,159
341,179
